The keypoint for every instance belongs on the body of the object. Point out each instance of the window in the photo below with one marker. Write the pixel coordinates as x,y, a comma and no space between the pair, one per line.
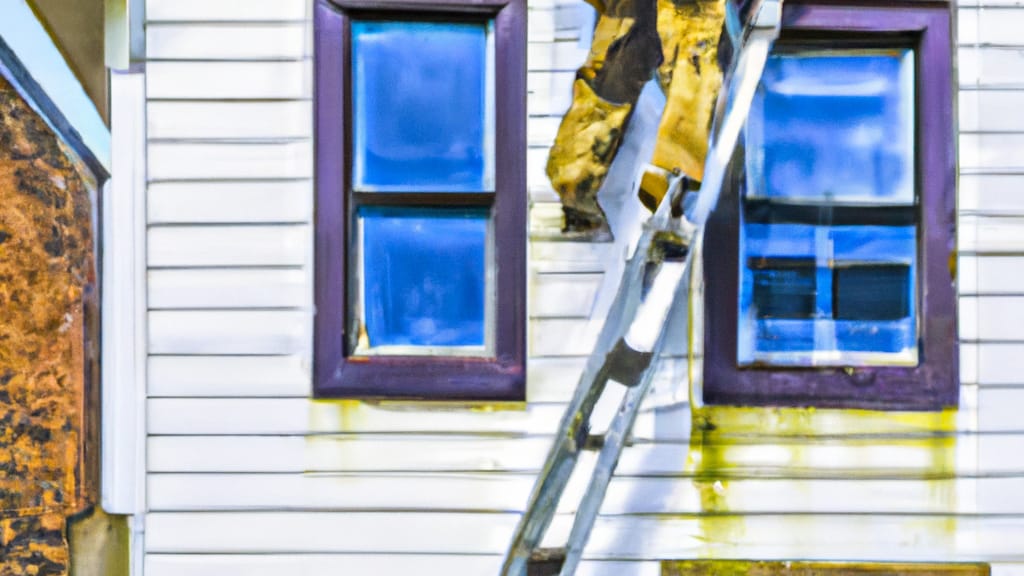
829,258
421,200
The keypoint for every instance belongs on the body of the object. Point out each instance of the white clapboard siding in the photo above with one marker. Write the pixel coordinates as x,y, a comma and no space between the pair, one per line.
362,452
991,152
769,537
991,25
991,275
227,332
572,256
991,193
549,380
225,202
234,288
299,416
383,564
837,458
197,120
541,130
238,41
196,246
625,495
201,161
546,220
992,66
991,234
1001,364
536,166
562,337
226,376
249,476
556,56
549,93
564,295
999,318
426,565
225,10
990,111
293,416
229,80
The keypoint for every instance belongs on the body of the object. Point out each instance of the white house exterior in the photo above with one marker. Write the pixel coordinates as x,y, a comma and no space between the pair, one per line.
229,467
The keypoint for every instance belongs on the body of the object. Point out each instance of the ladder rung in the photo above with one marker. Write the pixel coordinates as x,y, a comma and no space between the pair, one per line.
546,562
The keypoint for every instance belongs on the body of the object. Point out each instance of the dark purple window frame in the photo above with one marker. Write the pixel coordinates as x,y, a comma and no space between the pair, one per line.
933,384
337,374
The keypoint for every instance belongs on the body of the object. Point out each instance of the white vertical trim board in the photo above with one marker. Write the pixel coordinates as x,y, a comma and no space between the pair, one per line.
124,301
123,446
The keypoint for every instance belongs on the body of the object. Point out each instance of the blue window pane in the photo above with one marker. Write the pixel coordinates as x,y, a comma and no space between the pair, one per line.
785,289
834,126
827,295
422,110
872,292
424,276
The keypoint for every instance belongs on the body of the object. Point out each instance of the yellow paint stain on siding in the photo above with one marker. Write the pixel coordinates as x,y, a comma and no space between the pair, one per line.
747,568
799,444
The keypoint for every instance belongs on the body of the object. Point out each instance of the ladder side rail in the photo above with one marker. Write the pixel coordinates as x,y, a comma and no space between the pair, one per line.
674,278
575,424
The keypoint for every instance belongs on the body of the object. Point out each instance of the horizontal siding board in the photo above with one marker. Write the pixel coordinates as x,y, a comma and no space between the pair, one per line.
556,56
572,256
250,41
991,194
299,416
549,380
230,120
229,10
991,111
233,288
549,93
564,295
991,67
552,337
252,202
195,246
1000,26
986,275
991,235
264,454
365,452
999,318
845,537
267,416
228,332
358,453
248,161
510,492
224,376
1001,364
383,564
229,80
991,152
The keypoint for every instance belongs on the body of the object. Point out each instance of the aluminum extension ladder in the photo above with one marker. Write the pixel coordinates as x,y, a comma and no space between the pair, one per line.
630,342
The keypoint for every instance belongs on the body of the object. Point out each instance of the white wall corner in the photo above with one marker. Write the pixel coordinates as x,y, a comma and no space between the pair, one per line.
124,302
